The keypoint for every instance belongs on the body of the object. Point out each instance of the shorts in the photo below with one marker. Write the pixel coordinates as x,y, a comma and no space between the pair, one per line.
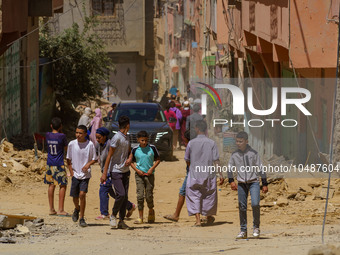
78,185
55,175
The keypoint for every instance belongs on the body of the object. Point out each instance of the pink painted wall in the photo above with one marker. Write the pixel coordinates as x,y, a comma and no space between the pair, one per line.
269,21
313,40
222,21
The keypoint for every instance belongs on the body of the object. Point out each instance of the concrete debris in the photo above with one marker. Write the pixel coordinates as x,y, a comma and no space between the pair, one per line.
14,164
299,197
281,202
22,231
6,179
314,184
7,240
321,193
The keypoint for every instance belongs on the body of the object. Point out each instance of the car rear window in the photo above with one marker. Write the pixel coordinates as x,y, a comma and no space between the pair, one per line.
140,114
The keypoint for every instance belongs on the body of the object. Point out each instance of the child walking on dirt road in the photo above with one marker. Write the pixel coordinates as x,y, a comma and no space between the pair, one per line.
81,154
56,173
102,150
117,163
147,159
248,165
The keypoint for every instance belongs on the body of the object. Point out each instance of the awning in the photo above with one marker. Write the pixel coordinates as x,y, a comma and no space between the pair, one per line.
184,54
174,65
224,60
208,59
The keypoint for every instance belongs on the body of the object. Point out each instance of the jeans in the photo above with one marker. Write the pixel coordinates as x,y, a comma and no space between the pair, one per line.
104,191
243,190
182,190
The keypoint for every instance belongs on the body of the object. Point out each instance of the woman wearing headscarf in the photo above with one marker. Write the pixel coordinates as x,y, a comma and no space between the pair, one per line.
177,129
102,150
85,118
95,124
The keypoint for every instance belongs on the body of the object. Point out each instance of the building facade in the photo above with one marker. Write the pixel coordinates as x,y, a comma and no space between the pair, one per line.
260,45
126,27
19,64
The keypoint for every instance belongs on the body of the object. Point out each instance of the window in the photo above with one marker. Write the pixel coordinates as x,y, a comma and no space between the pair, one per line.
146,114
103,7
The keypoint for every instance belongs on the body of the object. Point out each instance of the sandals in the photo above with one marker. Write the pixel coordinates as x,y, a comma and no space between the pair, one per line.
64,215
210,220
170,217
52,213
197,225
138,221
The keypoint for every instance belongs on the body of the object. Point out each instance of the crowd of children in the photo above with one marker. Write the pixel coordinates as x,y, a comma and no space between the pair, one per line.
115,156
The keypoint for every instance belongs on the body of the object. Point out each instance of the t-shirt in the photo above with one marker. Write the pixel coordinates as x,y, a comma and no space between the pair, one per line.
102,151
55,148
80,154
173,91
144,157
122,146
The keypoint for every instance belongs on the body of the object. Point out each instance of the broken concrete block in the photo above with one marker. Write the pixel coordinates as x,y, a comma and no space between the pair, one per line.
292,195
2,220
300,197
10,221
17,166
22,230
323,192
7,240
282,202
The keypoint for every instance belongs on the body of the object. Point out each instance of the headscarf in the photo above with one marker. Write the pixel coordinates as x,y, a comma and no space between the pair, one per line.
95,123
85,118
103,131
87,111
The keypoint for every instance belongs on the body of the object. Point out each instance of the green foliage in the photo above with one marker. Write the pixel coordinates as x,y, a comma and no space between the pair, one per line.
79,61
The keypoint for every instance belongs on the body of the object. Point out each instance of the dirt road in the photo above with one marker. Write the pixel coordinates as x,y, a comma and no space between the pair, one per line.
290,227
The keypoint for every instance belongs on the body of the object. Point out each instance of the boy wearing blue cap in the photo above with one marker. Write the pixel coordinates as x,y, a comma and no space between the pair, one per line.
102,150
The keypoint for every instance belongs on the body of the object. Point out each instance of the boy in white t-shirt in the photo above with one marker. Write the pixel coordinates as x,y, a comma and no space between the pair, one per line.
81,154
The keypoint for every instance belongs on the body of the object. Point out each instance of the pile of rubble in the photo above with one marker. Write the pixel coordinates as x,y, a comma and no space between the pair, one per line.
281,193
14,164
28,228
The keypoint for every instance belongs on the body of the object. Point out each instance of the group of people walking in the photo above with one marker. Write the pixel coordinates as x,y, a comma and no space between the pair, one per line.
115,156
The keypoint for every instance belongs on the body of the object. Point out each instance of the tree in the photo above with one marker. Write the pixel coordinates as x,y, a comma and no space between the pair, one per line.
79,61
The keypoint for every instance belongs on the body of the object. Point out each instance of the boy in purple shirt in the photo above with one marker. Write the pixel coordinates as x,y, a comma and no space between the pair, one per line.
56,173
